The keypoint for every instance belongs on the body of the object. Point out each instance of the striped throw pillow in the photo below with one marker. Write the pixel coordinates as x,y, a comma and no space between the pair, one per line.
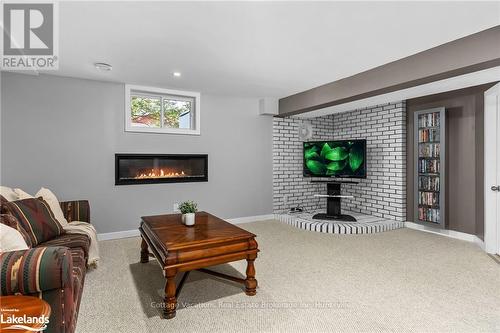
12,222
36,218
3,201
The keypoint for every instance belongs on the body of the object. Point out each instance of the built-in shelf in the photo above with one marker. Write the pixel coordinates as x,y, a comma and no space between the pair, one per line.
429,147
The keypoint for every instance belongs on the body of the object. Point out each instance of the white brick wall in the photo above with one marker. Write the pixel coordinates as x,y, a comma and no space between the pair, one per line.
290,188
381,194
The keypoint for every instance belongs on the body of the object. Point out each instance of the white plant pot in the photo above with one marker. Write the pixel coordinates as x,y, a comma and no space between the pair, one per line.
189,219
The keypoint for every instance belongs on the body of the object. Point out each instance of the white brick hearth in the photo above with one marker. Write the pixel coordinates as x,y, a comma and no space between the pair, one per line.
365,224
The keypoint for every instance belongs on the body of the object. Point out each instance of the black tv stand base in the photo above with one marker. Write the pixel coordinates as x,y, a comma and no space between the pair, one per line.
341,217
334,203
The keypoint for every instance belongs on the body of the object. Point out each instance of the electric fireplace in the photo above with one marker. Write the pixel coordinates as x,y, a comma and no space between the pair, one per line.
160,168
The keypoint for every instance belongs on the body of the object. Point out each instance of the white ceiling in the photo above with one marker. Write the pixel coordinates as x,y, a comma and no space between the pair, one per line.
254,49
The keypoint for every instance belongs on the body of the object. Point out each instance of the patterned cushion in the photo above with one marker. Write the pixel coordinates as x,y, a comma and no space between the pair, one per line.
35,270
20,271
3,201
79,269
77,210
73,241
36,218
12,222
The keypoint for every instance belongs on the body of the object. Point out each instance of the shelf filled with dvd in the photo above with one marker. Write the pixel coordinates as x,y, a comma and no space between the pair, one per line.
429,149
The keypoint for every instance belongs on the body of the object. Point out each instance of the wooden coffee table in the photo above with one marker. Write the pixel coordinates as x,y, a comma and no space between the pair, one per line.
211,241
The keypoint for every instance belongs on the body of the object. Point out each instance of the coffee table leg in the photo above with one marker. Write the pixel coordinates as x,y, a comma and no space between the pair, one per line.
250,282
170,300
144,252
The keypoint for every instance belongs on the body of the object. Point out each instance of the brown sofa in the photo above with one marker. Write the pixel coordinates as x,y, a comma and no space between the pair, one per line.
54,270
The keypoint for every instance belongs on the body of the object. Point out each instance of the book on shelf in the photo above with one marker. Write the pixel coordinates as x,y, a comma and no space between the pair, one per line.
429,120
429,150
428,198
428,135
428,183
429,215
428,166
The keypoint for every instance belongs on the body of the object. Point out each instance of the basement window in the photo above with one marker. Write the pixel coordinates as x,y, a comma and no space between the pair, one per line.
156,110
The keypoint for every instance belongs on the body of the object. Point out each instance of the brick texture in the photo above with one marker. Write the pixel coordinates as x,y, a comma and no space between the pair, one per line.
382,193
290,188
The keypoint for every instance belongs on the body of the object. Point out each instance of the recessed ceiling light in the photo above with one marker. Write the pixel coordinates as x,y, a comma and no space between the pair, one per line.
176,74
103,66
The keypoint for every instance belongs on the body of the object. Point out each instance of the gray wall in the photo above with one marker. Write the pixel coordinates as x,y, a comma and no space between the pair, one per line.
464,156
62,133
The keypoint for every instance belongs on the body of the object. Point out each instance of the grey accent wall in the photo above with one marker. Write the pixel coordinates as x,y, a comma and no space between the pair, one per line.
464,156
62,133
382,193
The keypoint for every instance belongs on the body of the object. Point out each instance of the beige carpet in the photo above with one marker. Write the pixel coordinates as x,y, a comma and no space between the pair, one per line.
397,281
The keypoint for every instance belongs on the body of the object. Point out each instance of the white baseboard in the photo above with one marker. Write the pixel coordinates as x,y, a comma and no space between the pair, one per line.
480,243
118,234
447,233
136,233
247,219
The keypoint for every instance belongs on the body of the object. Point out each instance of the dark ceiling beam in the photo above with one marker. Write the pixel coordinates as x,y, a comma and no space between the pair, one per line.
462,56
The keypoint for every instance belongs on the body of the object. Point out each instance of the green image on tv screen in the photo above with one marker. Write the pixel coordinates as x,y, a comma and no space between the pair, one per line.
335,158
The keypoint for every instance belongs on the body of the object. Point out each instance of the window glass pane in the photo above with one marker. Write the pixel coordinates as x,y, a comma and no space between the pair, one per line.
146,111
177,113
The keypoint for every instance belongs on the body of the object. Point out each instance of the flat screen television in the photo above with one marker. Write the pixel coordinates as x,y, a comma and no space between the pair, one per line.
343,159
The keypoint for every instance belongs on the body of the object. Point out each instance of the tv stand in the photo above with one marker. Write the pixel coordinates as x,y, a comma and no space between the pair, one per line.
333,201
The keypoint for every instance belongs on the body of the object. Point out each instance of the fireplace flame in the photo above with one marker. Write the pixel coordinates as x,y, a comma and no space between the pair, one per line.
159,173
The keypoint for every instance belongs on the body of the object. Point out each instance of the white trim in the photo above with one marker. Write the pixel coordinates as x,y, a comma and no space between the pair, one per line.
448,233
118,234
196,115
247,219
136,233
491,169
480,243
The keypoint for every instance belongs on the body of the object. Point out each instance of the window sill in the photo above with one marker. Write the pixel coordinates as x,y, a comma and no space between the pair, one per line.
163,131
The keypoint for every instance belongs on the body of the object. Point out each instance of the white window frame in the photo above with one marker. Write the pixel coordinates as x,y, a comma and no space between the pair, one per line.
153,92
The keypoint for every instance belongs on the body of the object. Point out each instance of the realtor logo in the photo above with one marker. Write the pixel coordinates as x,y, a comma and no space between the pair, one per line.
30,36
24,314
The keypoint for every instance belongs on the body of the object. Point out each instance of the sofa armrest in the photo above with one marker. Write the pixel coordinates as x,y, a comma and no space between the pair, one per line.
35,270
78,210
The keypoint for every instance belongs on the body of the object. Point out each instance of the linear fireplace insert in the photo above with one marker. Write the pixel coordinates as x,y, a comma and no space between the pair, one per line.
160,168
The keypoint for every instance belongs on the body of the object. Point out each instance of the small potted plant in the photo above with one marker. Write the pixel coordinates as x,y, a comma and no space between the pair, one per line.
188,208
